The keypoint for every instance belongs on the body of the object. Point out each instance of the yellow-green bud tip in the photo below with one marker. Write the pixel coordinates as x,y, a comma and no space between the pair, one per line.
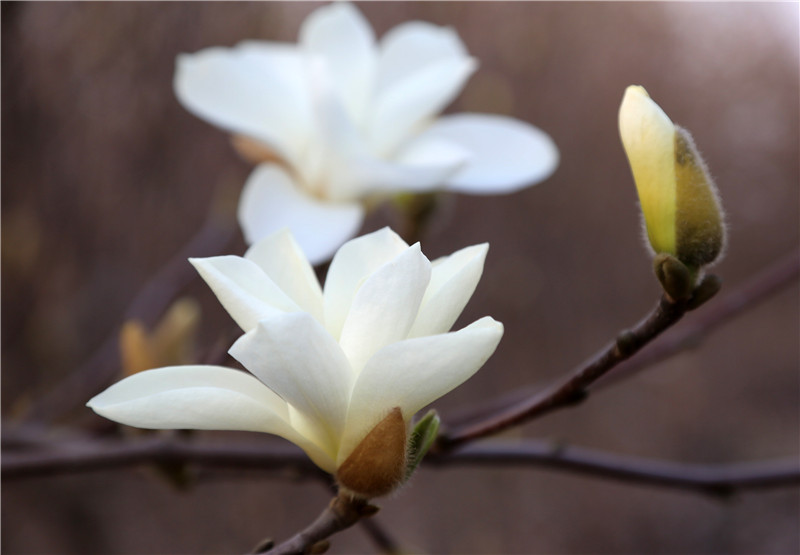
681,211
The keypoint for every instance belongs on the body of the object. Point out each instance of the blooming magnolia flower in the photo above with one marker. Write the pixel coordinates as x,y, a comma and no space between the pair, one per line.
339,117
339,372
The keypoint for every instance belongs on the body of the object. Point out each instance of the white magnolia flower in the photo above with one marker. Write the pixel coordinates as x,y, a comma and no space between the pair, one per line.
339,117
328,367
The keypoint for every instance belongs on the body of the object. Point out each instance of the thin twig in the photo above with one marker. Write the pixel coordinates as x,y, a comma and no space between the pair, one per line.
724,309
718,479
100,368
574,388
87,455
342,513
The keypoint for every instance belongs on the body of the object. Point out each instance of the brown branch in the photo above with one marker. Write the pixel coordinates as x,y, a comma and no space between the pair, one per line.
573,388
342,513
724,309
103,365
87,455
717,479
758,288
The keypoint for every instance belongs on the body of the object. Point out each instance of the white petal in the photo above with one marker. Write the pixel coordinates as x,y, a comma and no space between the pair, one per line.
301,362
252,91
339,35
385,306
413,373
414,44
453,281
403,108
201,398
270,201
508,154
353,263
422,166
246,292
283,261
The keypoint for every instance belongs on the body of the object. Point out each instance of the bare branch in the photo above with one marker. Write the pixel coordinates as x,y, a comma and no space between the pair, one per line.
510,410
86,455
724,309
719,479
342,513
573,388
760,287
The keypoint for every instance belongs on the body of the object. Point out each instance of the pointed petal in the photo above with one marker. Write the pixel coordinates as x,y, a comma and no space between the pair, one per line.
253,91
301,362
246,292
402,109
271,201
201,398
412,373
282,259
507,154
453,280
353,263
340,36
385,306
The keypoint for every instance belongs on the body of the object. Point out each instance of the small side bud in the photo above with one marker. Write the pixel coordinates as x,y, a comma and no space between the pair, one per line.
709,286
676,278
422,437
377,465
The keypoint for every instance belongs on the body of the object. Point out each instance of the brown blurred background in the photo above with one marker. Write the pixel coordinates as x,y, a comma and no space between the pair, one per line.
105,177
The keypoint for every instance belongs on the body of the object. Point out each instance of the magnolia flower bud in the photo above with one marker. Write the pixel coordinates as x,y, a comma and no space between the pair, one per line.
680,206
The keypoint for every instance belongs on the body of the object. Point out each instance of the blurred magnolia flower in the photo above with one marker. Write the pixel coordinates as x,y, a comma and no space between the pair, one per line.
341,371
170,342
339,118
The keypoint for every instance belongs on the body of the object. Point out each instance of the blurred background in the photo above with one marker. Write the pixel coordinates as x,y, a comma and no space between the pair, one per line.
106,177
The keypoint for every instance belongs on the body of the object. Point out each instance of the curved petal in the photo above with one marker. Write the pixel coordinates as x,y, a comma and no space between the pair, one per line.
340,36
401,109
507,154
201,398
246,292
385,306
270,201
453,280
411,45
281,258
424,166
412,373
345,167
300,361
256,92
356,260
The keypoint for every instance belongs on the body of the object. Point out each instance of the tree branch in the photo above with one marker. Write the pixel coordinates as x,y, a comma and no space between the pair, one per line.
718,479
87,455
574,388
342,513
758,288
725,308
